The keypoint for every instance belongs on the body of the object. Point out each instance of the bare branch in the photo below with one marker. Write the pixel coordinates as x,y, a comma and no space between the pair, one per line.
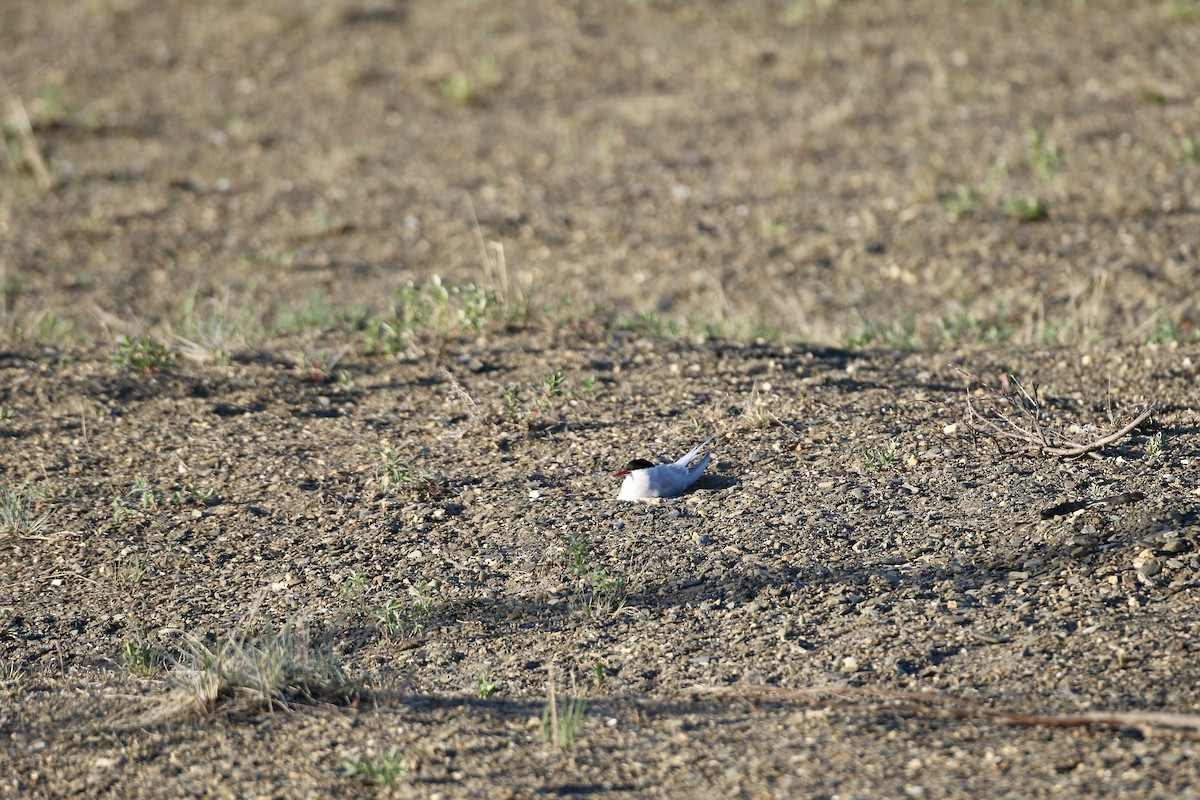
1033,432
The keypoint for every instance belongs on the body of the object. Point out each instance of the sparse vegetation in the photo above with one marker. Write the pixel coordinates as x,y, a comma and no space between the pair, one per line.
879,458
394,474
429,314
562,721
139,659
485,684
384,769
405,619
21,513
144,355
600,591
272,669
464,88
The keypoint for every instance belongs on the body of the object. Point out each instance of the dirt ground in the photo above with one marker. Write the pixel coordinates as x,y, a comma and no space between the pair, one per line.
354,532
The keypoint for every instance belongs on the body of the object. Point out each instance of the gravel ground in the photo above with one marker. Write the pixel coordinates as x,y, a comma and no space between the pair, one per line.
347,538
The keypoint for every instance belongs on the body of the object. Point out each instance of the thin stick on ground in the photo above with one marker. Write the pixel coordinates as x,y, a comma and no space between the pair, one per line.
1031,429
929,704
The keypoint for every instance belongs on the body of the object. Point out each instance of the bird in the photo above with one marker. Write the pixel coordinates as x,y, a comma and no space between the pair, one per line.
644,480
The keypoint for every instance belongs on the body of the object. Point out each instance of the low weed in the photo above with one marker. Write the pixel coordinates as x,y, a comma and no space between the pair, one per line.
382,769
433,313
466,88
144,355
601,591
139,659
485,684
394,474
879,458
405,619
21,513
562,721
276,667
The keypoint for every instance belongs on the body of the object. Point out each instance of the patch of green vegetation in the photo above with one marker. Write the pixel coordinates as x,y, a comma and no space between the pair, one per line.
562,721
545,399
139,659
1045,157
20,512
277,667
967,328
316,313
1155,446
963,202
485,684
879,458
899,335
798,11
1163,330
1184,10
1026,208
600,591
382,769
144,355
436,311
191,494
405,619
394,473
465,88
649,323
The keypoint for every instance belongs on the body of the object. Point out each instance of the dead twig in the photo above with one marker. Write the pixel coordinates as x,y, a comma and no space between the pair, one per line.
928,704
1031,429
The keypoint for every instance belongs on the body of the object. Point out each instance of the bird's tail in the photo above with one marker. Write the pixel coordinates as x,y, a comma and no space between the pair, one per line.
695,451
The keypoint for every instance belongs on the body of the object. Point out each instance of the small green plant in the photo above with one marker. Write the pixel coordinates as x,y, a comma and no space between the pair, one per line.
601,591
545,399
1026,208
881,458
562,722
138,659
144,355
147,498
485,684
382,769
1045,158
191,495
462,88
550,390
967,328
395,474
900,335
405,620
1154,445
352,584
20,514
512,403
130,573
1184,10
1163,330
589,387
963,203
11,677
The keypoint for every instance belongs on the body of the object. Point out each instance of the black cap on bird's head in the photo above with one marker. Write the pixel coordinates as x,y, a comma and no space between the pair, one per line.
637,463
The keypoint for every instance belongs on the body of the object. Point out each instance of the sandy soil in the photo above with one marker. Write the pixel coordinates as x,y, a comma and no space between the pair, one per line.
341,537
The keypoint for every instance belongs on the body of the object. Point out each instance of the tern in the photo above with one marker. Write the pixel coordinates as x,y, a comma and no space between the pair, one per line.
644,480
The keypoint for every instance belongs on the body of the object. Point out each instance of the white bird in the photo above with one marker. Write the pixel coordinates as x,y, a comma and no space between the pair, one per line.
644,480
